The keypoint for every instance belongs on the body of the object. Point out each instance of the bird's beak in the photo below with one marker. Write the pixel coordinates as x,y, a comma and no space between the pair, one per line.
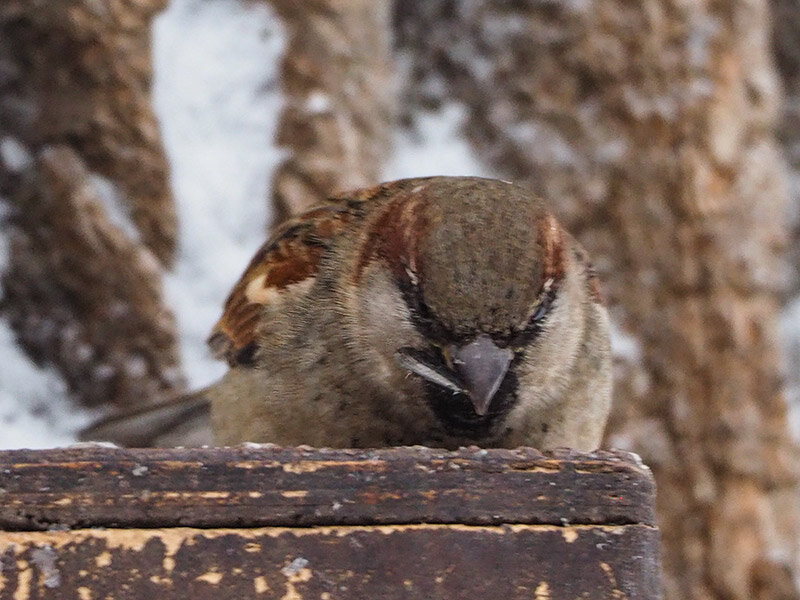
476,369
481,366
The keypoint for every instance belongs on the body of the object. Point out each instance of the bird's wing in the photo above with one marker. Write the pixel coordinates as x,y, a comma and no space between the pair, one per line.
292,256
181,420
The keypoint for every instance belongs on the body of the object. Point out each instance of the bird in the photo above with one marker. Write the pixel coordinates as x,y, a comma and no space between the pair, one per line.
438,311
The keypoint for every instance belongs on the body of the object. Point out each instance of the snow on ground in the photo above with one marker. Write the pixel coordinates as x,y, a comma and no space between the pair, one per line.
34,409
434,146
217,94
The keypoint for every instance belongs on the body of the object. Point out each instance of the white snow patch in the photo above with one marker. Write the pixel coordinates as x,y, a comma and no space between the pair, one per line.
35,411
136,366
318,103
435,146
109,445
544,142
116,210
502,28
624,345
14,155
217,95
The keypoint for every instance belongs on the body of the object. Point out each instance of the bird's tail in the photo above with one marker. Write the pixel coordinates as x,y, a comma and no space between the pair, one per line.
182,420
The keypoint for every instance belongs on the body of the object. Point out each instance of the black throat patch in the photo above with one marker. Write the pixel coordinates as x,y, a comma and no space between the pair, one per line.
457,415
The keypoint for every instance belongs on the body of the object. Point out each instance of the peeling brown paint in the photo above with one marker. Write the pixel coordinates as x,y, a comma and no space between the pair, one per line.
295,493
437,560
103,559
260,584
609,571
257,487
542,591
215,494
312,466
212,577
402,523
295,572
22,591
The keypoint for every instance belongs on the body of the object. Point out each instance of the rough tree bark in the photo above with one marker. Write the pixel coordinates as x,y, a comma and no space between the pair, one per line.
649,125
83,295
78,72
340,100
85,176
786,43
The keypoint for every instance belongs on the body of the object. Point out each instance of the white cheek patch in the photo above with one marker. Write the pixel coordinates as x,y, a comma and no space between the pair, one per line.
381,306
379,323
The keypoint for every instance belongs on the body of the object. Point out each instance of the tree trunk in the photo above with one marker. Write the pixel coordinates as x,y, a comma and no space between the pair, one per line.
786,43
340,100
77,72
84,173
83,295
649,126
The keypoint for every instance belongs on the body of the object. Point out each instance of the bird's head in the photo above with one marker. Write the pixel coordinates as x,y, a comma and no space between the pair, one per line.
459,286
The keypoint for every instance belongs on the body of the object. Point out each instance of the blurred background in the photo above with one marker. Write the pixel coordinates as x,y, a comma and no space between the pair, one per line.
146,147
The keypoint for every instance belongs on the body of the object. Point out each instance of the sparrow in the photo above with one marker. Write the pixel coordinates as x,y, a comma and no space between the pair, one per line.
438,311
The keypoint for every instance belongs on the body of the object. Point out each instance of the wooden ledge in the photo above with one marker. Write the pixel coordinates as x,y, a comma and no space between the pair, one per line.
298,523
256,486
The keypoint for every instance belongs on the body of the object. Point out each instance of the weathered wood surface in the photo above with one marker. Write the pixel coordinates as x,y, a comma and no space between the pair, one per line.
258,486
293,523
394,561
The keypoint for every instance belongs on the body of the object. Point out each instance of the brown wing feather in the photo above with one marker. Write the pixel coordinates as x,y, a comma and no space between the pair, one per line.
291,256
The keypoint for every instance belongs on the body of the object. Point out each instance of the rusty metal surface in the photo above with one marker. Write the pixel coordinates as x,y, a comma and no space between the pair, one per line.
261,486
405,561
